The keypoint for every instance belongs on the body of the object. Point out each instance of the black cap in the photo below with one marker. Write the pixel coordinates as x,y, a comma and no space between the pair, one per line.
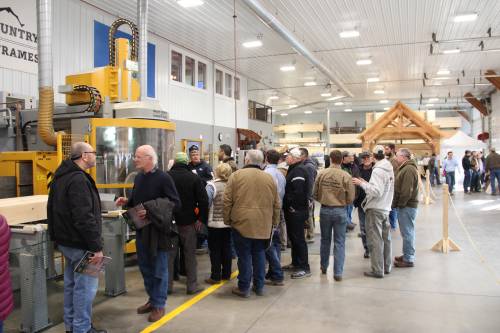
193,147
364,154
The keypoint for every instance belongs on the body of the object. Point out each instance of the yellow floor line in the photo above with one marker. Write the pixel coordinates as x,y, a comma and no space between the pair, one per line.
180,309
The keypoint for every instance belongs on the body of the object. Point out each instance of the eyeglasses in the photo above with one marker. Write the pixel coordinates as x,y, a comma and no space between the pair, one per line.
90,152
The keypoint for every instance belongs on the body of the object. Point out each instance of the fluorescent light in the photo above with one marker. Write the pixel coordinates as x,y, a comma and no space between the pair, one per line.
326,94
443,72
308,112
429,104
465,18
363,62
347,110
438,83
252,43
287,68
451,51
339,103
283,114
310,83
386,108
433,99
349,34
372,79
334,98
383,101
274,97
431,110
292,106
189,3
379,92
443,78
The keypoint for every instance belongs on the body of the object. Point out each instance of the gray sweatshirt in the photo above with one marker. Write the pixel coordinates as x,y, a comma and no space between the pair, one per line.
380,189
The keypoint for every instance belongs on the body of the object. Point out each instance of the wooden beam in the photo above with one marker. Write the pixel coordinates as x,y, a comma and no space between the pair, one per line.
494,80
463,114
476,103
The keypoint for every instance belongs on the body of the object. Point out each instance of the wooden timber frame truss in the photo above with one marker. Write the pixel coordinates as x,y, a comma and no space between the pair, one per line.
401,123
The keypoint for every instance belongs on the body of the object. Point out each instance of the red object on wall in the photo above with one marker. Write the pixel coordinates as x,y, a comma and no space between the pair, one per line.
483,136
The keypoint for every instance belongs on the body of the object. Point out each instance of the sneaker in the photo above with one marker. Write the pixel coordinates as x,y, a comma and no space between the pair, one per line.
195,291
399,258
403,264
289,267
366,255
301,275
275,283
156,314
146,308
374,275
337,278
238,292
211,281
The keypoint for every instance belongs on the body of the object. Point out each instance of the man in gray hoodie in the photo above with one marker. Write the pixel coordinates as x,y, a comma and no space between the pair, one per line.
377,205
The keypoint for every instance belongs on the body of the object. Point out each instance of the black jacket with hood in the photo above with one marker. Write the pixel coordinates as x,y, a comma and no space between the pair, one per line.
74,209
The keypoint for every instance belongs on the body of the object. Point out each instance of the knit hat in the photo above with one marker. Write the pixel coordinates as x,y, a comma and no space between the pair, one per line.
181,157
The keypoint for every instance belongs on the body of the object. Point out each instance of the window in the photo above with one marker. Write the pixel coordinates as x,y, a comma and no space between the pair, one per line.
229,83
237,88
190,66
218,81
176,68
202,75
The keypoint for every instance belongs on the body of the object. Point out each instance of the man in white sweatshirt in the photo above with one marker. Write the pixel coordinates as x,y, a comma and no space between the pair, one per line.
377,205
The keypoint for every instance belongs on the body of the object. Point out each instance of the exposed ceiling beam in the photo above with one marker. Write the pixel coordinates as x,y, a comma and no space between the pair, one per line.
463,114
494,79
476,103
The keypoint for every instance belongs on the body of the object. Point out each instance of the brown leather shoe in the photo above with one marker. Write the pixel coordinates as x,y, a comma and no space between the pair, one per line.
403,264
400,258
146,308
156,314
212,281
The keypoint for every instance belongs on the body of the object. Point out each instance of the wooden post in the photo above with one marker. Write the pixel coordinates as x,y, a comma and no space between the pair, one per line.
445,244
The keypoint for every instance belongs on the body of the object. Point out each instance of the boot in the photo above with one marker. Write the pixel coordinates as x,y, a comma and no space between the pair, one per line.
146,308
156,314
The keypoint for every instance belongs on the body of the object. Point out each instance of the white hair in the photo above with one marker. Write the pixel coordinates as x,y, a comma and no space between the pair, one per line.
150,151
254,156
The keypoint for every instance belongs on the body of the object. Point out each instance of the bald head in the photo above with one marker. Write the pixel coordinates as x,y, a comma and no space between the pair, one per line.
83,155
145,158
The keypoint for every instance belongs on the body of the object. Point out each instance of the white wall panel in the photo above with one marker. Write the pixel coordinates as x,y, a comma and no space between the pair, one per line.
495,120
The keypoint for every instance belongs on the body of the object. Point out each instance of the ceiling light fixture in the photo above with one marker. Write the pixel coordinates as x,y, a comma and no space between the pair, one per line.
429,104
372,79
349,34
433,99
451,51
347,110
383,101
252,43
465,18
287,68
310,83
308,112
334,98
292,106
387,108
379,92
339,103
274,97
443,72
431,110
363,62
326,94
443,78
283,114
190,3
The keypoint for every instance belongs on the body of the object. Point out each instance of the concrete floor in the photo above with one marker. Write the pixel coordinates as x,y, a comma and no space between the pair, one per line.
442,293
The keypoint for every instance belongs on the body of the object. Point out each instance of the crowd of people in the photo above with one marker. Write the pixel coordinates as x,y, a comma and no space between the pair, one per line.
251,214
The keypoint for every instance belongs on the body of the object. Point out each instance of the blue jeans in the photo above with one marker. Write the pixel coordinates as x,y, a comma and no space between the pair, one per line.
251,261
494,173
362,226
450,180
273,256
154,272
79,292
333,219
407,218
467,180
349,209
393,218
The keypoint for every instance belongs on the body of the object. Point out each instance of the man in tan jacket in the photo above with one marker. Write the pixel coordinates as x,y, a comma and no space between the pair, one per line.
334,190
251,208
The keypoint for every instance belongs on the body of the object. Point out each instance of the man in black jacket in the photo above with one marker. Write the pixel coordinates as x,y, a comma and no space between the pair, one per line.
74,220
311,172
199,166
189,219
466,164
296,208
365,171
151,183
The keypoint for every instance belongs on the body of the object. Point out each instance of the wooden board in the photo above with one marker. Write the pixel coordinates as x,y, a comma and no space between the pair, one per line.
299,140
297,128
339,139
24,209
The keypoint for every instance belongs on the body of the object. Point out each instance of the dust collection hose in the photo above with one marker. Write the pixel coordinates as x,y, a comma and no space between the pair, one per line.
111,40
